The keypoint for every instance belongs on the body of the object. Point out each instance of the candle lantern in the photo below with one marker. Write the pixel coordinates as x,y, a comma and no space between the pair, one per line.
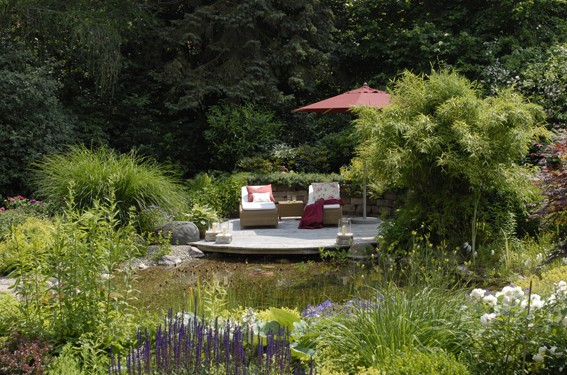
225,234
212,231
344,231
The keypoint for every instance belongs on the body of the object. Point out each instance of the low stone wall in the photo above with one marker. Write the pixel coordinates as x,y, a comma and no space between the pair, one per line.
382,208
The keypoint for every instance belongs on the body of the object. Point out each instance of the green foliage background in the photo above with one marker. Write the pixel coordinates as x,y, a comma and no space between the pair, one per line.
33,121
146,75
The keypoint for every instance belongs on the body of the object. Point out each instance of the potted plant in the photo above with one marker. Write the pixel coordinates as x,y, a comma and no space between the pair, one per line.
202,216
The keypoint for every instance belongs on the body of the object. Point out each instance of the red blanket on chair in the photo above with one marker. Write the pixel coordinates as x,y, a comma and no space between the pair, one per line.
312,217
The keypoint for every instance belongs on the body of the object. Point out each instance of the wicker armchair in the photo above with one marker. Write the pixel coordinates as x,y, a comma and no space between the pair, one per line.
331,212
256,214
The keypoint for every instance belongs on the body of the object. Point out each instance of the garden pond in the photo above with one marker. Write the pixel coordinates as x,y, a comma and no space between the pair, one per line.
256,281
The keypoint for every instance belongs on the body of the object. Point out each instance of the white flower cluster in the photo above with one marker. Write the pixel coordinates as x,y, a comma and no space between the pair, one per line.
249,317
512,301
509,297
542,352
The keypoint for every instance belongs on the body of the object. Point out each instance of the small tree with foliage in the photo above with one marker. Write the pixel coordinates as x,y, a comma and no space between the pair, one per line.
236,132
458,155
546,81
33,122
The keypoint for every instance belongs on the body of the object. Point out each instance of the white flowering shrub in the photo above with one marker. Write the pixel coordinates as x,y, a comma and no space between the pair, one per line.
520,332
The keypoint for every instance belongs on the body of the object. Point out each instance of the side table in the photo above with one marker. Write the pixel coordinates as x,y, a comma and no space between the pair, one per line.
290,208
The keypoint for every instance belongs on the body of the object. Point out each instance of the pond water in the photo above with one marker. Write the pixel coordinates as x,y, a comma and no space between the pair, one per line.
259,282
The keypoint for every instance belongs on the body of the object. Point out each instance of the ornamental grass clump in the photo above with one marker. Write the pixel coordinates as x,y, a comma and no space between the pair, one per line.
519,331
427,320
93,175
185,344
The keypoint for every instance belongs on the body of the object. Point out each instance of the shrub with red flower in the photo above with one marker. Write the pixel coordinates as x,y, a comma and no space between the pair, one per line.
553,180
20,201
24,356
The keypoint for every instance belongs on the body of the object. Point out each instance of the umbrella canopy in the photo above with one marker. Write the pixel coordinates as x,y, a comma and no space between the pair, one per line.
363,96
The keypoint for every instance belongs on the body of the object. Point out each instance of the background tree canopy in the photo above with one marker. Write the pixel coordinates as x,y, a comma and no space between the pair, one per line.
146,75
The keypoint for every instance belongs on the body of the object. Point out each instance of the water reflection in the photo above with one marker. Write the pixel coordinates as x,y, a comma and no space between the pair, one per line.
256,281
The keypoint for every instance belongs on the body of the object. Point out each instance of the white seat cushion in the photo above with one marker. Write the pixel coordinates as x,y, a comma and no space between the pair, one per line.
254,206
327,206
258,206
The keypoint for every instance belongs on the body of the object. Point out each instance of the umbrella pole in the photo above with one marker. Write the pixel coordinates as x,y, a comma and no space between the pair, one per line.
364,189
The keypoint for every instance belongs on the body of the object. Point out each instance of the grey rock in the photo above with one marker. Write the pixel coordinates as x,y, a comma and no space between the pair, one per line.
361,250
182,232
186,252
6,284
195,252
169,260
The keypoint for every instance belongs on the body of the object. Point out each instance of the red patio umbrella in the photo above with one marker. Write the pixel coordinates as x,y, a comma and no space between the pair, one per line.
362,96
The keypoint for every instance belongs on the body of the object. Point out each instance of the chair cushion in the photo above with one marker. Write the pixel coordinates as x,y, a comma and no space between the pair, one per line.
329,206
261,197
326,190
258,206
259,189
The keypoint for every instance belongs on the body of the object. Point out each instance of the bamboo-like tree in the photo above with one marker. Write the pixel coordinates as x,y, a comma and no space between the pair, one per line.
458,156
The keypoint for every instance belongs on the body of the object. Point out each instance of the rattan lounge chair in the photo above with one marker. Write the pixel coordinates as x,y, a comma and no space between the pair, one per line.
331,212
257,214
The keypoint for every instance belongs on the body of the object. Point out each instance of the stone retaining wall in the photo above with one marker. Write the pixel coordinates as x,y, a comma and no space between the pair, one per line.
383,207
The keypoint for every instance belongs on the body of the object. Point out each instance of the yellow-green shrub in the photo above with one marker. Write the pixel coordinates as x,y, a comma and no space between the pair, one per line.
415,361
31,239
544,285
9,313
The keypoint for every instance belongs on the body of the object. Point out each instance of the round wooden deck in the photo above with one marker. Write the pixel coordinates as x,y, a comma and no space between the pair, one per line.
288,239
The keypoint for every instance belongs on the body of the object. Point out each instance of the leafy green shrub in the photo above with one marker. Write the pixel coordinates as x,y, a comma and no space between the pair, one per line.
423,264
398,321
201,216
9,314
149,219
65,363
282,154
9,219
353,175
94,175
340,148
553,181
34,121
544,80
293,180
28,240
256,164
220,193
16,210
89,252
461,157
545,283
236,132
77,283
311,159
427,362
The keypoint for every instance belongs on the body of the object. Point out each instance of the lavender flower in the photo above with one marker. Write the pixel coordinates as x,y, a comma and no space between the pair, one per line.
193,346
